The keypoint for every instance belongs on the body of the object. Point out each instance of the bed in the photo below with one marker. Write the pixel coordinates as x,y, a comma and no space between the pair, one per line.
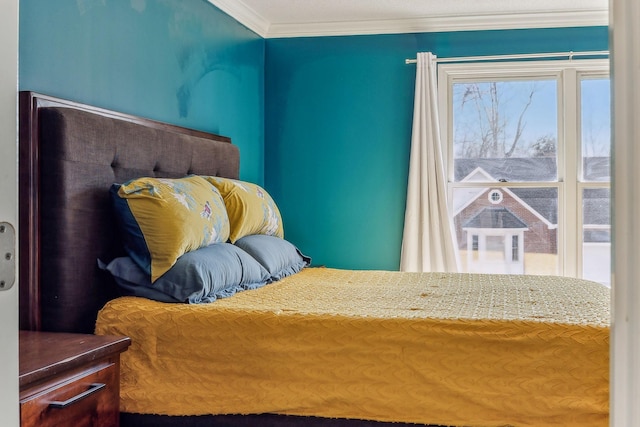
316,347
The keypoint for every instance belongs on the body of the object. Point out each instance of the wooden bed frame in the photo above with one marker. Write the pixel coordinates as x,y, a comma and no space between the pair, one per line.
63,210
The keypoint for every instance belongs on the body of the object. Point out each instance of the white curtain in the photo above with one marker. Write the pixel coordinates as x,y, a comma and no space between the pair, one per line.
428,238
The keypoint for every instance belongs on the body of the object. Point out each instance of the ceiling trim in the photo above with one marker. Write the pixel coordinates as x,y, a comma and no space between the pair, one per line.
244,14
444,23
551,19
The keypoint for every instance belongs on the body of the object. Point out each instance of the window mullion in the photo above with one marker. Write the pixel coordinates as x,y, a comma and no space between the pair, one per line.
568,169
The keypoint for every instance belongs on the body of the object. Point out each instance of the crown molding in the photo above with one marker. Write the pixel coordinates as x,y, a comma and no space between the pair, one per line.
244,14
551,19
583,18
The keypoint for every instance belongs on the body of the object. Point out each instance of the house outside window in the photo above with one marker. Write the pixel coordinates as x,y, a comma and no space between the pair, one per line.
492,232
527,155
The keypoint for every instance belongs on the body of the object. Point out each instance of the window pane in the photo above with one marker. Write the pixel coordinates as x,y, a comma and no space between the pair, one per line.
517,235
596,129
596,235
505,131
515,254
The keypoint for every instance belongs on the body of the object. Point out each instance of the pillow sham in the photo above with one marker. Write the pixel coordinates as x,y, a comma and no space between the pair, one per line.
278,256
162,219
250,208
199,276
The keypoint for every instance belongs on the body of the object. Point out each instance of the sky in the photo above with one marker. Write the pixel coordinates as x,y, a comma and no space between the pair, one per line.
541,116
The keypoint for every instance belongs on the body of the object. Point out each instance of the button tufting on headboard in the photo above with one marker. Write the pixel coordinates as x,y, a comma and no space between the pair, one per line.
68,162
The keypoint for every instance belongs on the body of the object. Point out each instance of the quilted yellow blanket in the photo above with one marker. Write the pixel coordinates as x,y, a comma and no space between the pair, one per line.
449,349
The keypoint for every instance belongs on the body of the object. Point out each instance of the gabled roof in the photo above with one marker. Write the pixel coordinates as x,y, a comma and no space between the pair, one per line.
546,200
495,218
543,202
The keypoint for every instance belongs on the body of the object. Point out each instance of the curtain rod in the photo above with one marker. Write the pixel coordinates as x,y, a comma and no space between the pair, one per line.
570,55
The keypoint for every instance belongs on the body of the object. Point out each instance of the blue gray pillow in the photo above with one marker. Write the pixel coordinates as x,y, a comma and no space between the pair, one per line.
200,276
278,256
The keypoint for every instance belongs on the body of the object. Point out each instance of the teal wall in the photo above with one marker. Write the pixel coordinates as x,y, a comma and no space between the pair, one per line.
338,129
182,62
323,123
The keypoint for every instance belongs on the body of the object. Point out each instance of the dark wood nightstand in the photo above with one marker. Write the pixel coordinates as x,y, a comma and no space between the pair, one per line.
70,379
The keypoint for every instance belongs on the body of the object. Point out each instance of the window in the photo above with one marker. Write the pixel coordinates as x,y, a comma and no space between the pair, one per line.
474,242
495,196
527,155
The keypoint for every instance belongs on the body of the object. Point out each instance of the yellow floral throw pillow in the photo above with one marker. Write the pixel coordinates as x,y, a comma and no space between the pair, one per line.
250,208
163,219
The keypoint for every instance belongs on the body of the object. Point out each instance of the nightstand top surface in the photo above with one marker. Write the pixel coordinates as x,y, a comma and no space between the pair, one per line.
45,354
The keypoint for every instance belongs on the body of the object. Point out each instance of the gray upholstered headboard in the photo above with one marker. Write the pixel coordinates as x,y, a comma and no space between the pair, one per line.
70,154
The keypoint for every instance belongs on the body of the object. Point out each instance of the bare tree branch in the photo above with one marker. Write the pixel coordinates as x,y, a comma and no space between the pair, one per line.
520,126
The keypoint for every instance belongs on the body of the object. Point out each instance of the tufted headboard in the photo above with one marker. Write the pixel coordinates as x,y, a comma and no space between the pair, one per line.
70,154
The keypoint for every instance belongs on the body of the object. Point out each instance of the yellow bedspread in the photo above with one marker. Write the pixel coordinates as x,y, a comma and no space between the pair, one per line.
450,349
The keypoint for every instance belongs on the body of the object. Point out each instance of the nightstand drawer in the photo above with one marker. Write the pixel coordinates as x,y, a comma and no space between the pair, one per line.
81,398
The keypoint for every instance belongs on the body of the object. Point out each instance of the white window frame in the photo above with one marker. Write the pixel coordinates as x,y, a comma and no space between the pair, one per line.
568,74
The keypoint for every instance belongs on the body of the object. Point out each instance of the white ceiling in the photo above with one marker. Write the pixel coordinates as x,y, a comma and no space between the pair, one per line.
300,18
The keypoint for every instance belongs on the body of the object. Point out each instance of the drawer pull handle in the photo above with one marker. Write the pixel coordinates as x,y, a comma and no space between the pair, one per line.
94,388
